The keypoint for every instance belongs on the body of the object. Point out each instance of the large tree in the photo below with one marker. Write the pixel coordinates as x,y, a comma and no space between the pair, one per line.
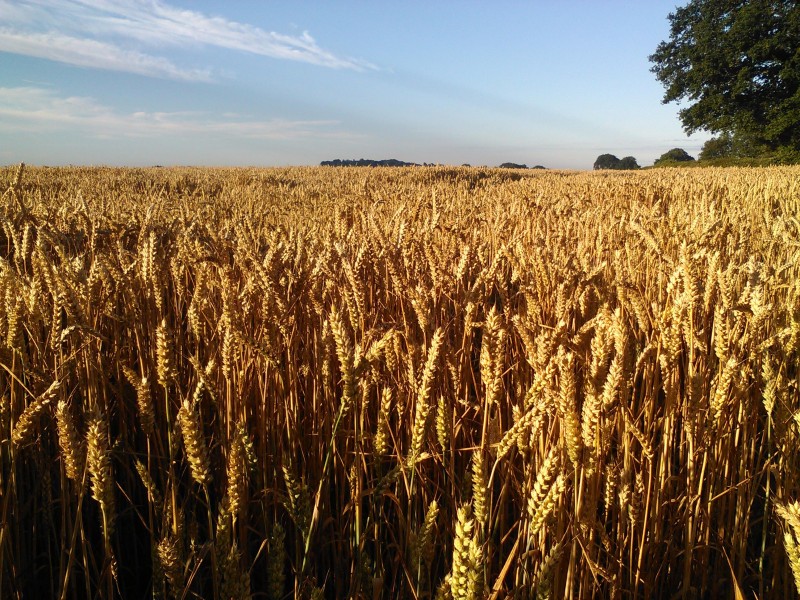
737,65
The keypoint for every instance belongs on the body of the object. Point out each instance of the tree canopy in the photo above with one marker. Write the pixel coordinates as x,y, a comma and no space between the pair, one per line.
606,161
737,64
674,155
609,161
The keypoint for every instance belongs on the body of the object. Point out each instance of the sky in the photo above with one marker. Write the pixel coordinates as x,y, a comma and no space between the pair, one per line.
268,83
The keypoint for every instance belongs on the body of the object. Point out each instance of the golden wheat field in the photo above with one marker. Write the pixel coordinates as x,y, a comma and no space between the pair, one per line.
399,383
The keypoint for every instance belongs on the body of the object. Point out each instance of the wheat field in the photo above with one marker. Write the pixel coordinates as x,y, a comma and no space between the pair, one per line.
399,383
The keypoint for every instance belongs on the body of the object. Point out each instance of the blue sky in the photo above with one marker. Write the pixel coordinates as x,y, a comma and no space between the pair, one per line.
171,82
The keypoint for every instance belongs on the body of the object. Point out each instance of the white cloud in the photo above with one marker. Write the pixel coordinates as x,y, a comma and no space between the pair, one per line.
38,110
94,54
108,34
155,22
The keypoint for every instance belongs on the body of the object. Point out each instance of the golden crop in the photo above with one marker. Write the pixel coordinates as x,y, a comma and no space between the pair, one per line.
399,383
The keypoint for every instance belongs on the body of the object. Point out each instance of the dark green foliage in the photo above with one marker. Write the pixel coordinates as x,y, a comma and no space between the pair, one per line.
737,63
366,162
674,155
609,161
727,145
628,163
717,147
606,161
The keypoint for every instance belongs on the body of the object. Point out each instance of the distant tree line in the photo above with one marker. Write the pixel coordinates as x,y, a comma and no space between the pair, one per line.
511,165
366,162
609,161
392,162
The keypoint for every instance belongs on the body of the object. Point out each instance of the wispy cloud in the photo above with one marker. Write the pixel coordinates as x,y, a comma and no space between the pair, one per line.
120,34
95,54
39,110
